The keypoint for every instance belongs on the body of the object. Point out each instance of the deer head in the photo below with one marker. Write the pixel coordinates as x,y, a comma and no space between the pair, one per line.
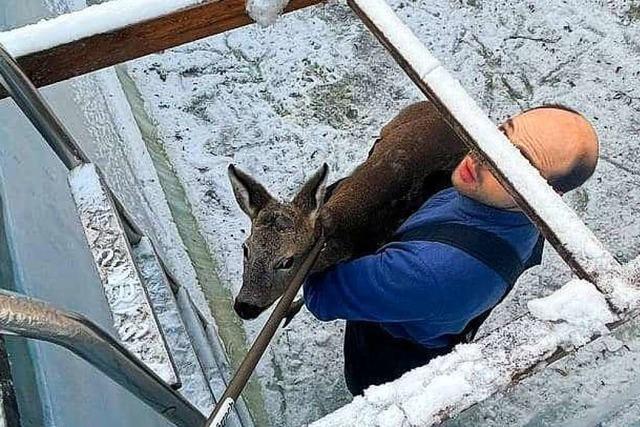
281,235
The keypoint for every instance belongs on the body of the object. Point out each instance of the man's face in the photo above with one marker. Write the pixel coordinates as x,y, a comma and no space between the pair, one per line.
473,179
553,140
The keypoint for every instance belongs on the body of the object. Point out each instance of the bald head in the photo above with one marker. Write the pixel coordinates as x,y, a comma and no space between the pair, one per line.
559,142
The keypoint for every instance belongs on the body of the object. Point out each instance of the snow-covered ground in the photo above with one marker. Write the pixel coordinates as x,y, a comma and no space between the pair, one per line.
317,87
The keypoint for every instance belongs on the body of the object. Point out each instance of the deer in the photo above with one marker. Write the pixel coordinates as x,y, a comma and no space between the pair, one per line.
411,160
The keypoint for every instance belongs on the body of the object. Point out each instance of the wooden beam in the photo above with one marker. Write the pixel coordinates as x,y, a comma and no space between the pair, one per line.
560,225
124,44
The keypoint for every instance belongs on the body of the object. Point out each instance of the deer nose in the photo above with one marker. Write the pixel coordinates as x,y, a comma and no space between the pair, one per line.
247,311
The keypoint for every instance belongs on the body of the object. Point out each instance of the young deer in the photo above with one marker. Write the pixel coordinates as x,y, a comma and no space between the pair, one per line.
412,159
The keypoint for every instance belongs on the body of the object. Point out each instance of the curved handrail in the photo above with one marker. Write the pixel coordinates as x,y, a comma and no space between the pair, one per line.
31,318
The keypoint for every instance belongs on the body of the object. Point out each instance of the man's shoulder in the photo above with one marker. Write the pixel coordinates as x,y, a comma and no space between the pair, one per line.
435,209
441,197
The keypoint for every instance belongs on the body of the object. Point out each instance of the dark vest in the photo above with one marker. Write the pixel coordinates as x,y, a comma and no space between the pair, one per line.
373,356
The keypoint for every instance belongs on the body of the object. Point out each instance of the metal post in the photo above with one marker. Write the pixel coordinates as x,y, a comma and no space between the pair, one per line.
31,318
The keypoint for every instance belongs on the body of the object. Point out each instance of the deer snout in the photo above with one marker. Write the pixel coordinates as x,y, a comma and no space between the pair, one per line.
247,311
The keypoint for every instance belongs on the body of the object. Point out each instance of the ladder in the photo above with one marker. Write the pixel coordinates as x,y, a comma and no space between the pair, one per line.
128,264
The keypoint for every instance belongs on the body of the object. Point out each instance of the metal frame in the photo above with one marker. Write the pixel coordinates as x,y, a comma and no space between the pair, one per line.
34,107
133,375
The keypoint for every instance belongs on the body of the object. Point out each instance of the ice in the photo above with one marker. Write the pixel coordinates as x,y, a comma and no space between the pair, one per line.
265,12
89,21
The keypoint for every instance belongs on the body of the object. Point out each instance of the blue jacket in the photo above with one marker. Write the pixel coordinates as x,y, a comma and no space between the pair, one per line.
419,290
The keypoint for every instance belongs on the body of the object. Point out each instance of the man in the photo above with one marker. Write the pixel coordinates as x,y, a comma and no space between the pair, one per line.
453,260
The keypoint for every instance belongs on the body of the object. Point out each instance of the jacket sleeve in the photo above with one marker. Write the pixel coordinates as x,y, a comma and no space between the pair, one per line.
392,285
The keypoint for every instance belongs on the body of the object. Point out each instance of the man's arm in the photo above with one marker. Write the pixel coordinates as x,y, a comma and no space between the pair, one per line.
379,287
402,283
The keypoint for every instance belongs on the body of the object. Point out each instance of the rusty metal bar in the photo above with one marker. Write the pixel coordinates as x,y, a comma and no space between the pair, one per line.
227,401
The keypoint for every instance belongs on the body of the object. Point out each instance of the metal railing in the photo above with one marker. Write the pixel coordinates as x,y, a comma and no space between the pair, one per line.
32,318
27,97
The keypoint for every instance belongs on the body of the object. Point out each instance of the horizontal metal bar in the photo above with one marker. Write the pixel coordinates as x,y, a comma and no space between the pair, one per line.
32,318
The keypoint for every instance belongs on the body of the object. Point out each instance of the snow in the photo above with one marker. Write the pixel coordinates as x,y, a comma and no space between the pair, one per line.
265,12
578,303
133,318
568,318
97,19
632,272
595,386
577,310
400,36
420,396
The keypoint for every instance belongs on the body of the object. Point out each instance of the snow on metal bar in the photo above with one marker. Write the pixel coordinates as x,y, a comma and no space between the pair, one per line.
561,225
133,317
97,19
570,318
265,12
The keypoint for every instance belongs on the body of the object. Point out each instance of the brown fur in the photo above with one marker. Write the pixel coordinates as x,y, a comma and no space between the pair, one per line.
412,159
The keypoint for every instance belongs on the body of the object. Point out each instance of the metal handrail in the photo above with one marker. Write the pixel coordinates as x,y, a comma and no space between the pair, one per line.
40,114
31,318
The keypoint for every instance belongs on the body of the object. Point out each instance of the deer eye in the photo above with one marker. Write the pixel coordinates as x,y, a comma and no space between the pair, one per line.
245,250
284,264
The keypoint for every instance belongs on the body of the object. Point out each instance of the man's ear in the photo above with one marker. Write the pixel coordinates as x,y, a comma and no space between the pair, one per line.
311,196
250,194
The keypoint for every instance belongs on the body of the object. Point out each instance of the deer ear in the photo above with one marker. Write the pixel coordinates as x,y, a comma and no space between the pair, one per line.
311,197
250,194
